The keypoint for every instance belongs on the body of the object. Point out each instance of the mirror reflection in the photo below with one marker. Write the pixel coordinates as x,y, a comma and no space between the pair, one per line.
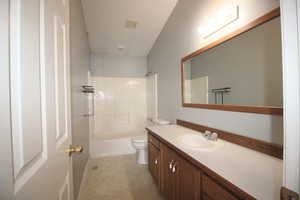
245,70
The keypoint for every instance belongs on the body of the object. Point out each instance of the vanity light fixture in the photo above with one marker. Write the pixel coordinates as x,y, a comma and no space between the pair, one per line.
224,17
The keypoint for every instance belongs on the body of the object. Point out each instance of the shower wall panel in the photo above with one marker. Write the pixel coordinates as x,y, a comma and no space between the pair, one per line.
120,109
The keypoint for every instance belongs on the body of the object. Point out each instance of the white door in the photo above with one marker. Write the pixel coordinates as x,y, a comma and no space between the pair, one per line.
40,99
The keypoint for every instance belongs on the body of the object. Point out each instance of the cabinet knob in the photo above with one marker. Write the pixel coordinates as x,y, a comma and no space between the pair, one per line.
156,161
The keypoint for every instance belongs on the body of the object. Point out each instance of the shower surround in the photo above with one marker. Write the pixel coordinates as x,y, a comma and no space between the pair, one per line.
119,113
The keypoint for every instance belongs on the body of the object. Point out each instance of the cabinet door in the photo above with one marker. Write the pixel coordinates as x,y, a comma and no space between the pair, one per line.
154,162
187,180
167,177
214,191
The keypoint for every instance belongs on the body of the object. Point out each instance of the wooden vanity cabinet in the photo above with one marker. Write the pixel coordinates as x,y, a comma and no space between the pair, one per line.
179,179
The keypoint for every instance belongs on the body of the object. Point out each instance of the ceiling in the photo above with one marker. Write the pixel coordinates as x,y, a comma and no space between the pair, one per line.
106,21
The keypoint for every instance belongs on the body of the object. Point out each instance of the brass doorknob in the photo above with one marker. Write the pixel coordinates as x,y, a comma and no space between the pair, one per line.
74,149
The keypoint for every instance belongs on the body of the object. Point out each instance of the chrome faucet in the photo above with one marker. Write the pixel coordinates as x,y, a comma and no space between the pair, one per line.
210,136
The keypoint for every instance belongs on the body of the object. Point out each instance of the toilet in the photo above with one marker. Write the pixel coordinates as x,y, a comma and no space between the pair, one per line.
140,143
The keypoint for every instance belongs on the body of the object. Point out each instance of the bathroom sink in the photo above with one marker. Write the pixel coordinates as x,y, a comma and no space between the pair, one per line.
198,142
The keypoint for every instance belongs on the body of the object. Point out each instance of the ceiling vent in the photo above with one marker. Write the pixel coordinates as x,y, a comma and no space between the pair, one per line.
131,24
120,47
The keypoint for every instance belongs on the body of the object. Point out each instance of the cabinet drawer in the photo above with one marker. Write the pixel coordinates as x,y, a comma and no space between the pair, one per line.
153,140
214,191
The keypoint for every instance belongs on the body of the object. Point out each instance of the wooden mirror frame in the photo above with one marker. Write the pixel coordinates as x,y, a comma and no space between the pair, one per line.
235,108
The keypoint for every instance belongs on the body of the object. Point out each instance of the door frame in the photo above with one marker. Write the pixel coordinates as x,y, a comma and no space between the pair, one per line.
6,170
290,24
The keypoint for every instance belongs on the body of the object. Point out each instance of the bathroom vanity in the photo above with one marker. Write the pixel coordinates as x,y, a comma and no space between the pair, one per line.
212,171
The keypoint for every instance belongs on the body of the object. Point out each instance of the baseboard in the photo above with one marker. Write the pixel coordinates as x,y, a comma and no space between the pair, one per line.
84,178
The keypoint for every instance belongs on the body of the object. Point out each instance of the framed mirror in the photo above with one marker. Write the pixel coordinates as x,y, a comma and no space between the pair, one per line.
240,72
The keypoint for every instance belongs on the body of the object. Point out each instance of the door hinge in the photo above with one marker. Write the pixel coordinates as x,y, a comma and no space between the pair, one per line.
286,194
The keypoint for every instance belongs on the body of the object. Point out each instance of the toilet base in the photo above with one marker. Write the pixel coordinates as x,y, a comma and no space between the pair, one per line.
142,156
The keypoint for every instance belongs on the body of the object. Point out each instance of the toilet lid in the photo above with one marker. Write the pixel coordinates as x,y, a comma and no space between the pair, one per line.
141,138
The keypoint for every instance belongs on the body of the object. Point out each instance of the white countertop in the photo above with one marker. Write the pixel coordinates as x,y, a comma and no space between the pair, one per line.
258,174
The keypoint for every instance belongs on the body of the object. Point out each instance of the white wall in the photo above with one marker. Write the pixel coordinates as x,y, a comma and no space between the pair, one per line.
80,63
179,38
118,65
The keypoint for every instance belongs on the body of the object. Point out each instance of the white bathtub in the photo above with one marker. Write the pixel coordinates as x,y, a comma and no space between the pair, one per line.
112,147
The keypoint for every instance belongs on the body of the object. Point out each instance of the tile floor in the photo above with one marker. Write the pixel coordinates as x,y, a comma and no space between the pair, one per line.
119,178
